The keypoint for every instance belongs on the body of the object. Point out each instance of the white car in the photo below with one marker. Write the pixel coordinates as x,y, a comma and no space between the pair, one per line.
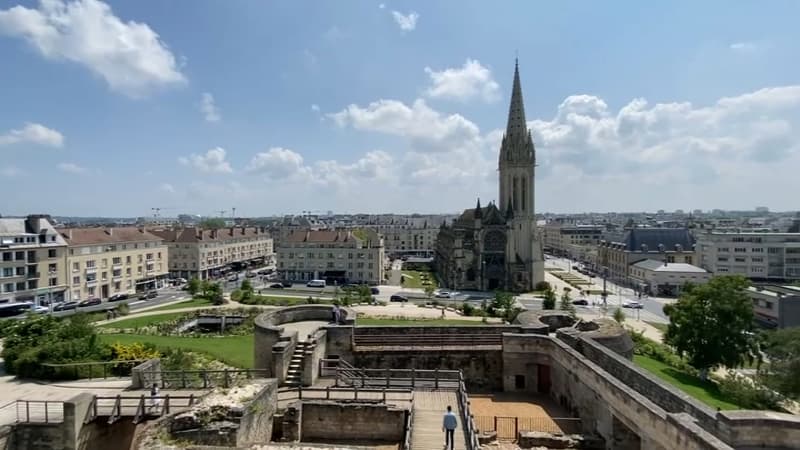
442,294
632,304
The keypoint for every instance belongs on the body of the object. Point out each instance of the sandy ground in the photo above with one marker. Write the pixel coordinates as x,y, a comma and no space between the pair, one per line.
412,311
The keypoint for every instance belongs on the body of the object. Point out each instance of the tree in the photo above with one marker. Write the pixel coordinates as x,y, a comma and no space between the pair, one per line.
503,306
429,291
782,349
194,286
212,223
549,301
247,286
619,315
542,286
712,324
215,294
566,301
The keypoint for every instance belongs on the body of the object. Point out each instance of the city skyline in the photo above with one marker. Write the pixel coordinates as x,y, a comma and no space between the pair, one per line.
374,107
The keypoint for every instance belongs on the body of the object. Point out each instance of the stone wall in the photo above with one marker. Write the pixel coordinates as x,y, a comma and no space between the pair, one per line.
339,342
425,330
39,436
255,426
145,374
522,357
482,370
282,353
314,353
355,422
759,429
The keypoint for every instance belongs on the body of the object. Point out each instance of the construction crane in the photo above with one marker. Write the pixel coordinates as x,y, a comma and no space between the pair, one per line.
221,212
157,211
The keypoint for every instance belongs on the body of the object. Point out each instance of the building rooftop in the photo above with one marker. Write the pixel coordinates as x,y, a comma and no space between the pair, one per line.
193,234
101,235
327,236
659,266
649,239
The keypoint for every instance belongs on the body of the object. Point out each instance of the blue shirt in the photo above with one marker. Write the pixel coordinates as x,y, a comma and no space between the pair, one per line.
450,421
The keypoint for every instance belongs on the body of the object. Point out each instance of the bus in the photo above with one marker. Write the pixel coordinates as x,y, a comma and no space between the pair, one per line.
14,309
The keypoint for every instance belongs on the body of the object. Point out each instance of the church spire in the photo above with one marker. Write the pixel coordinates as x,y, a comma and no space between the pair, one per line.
516,112
478,211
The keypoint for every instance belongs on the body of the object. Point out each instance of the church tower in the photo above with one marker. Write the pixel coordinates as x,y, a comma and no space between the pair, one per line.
524,257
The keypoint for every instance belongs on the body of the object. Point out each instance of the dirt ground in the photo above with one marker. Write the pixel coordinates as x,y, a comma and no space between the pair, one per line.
514,405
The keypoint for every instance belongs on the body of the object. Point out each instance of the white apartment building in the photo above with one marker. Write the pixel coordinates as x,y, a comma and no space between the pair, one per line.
340,256
204,254
662,278
776,306
32,261
756,255
102,262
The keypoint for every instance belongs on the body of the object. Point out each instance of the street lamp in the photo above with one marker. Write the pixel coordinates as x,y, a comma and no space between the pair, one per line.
483,275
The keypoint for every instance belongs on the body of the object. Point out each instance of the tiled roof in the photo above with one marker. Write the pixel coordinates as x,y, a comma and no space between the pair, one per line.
652,237
89,236
192,234
330,235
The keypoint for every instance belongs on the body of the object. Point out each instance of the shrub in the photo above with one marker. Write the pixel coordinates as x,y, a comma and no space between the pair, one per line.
467,309
749,394
123,309
542,286
236,295
619,315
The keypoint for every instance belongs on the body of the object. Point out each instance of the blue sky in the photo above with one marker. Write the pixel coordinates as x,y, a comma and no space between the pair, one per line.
280,107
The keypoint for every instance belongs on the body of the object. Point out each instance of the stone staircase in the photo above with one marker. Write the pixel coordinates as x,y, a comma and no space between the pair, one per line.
426,427
294,376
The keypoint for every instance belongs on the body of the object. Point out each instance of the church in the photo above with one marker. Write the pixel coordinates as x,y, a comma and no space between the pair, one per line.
496,246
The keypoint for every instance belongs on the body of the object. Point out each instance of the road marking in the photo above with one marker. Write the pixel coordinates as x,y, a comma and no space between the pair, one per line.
136,302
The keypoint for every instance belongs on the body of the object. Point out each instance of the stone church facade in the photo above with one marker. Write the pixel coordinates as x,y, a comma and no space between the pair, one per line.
496,246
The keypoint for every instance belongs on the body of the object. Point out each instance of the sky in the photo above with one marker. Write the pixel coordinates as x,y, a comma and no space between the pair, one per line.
202,106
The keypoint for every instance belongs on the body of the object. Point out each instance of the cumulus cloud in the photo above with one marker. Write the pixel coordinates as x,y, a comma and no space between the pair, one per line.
279,164
463,83
213,161
129,56
71,168
670,141
33,133
209,108
744,46
426,128
407,22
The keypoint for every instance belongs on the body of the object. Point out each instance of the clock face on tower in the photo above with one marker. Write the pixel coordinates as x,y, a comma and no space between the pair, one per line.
494,241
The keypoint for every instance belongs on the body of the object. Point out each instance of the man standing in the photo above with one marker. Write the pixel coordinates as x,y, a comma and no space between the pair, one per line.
449,425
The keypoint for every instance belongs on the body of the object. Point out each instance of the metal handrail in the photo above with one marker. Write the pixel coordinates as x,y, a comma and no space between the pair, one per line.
32,411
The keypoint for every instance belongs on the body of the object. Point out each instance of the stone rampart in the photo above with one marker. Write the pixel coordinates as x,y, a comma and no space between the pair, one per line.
354,422
315,352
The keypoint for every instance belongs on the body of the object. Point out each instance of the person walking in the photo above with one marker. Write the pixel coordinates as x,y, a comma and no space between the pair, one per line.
449,424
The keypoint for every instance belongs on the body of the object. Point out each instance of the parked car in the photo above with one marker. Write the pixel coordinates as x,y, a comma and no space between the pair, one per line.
286,284
251,275
118,297
374,291
442,294
233,278
581,301
316,284
148,295
632,304
66,306
398,298
276,286
89,302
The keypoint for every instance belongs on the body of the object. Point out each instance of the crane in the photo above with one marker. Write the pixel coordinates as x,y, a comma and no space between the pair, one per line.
157,211
221,212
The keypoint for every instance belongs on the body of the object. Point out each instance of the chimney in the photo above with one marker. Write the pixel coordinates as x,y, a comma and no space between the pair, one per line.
69,232
110,231
213,234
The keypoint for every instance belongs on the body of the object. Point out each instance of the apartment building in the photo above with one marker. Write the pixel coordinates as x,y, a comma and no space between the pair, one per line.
341,256
32,261
756,255
205,254
776,306
572,240
671,245
661,278
102,262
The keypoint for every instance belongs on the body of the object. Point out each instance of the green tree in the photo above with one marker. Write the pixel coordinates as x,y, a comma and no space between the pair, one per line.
712,324
549,301
247,286
782,350
542,286
364,294
429,289
619,315
503,306
566,301
194,286
212,223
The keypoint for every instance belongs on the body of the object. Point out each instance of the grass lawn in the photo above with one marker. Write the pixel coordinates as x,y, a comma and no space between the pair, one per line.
143,321
662,327
705,391
413,279
236,351
193,303
377,321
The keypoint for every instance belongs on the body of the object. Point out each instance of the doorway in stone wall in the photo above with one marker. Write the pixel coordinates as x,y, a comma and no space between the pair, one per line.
543,379
519,382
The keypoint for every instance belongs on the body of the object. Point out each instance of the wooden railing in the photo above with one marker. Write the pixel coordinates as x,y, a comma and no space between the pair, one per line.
508,428
139,407
340,393
467,419
202,379
32,411
408,378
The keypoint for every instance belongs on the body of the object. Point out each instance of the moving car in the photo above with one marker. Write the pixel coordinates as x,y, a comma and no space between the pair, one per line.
276,286
316,284
398,298
89,302
286,284
442,294
374,291
67,306
118,297
632,304
148,295
581,301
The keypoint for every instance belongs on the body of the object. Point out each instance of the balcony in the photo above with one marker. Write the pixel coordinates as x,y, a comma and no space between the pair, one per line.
90,283
91,270
116,265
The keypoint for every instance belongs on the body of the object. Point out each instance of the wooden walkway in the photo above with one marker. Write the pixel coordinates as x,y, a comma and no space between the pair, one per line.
426,428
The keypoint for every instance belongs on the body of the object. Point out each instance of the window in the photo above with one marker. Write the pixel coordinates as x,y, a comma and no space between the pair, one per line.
52,268
774,250
19,256
104,263
76,280
128,259
116,273
519,381
104,276
90,264
740,259
739,250
7,256
51,253
128,271
723,250
9,287
722,259
91,291
91,277
757,259
116,261
140,258
53,282
757,249
757,269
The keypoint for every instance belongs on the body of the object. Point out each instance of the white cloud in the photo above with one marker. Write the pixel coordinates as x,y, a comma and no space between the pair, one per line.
744,47
406,22
129,56
426,128
382,5
310,59
166,187
209,108
315,107
212,161
33,133
280,164
71,168
464,83
11,171
333,34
